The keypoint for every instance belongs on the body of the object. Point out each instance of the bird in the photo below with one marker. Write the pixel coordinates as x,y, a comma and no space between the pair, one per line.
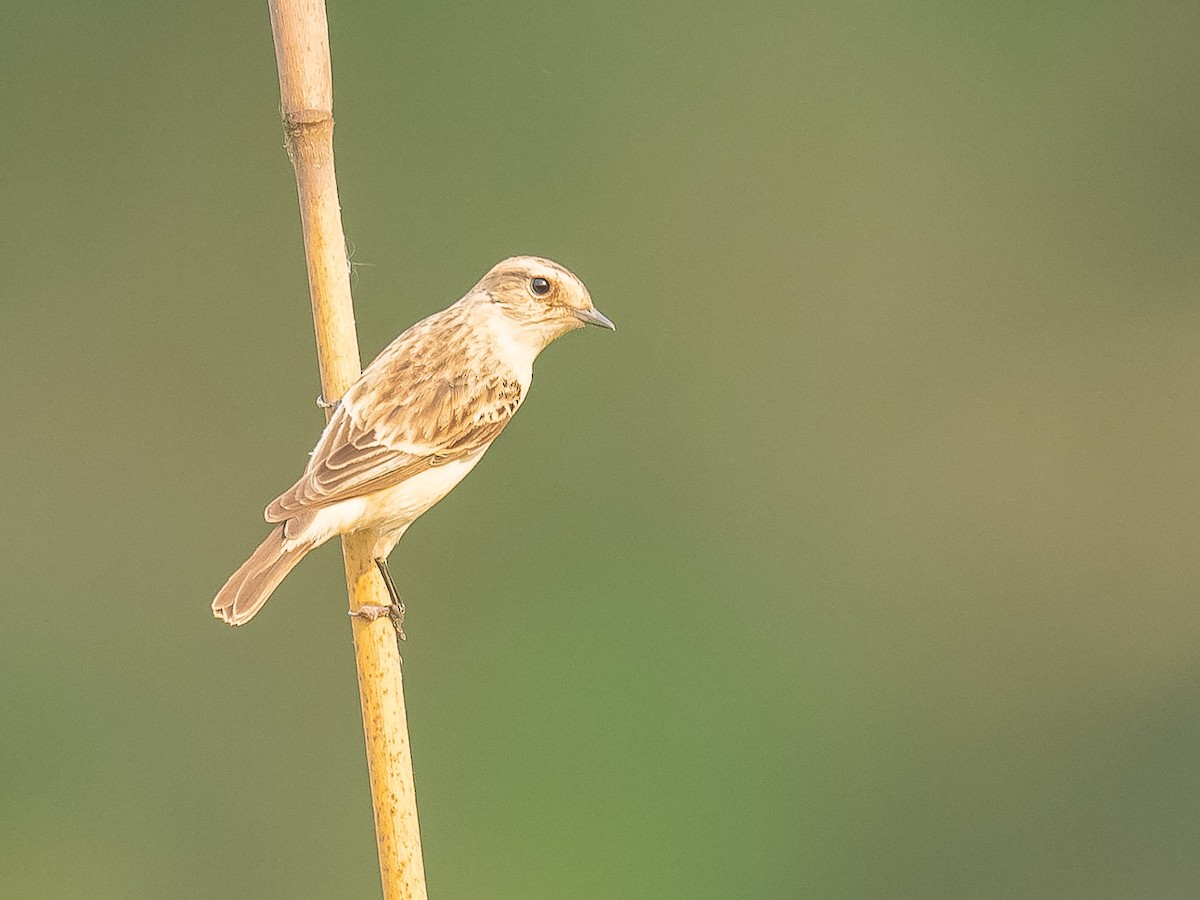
414,424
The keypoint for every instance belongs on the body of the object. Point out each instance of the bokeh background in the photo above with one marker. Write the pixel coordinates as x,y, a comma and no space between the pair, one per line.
860,562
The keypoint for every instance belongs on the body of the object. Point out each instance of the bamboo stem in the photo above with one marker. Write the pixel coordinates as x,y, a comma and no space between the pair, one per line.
301,37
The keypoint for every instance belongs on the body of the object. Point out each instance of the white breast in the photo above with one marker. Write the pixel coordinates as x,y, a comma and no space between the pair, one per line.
391,510
514,348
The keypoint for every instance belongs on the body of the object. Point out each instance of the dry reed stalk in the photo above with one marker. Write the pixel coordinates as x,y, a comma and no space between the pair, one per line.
301,37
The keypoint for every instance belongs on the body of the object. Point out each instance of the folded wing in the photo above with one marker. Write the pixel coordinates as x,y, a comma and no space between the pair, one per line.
400,419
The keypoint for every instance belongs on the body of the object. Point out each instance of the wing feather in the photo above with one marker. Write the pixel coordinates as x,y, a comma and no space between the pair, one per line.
421,404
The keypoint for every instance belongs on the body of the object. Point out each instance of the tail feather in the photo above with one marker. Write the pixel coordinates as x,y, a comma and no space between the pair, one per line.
251,585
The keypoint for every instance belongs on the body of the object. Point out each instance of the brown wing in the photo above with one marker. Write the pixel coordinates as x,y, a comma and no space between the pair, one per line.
420,404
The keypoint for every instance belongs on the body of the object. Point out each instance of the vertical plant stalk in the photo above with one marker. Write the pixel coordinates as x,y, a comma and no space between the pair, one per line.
301,35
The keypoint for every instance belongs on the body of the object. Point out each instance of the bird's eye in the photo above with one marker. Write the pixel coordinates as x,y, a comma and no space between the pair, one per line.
540,286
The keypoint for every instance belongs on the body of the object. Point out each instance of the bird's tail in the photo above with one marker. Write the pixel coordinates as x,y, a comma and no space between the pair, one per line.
251,585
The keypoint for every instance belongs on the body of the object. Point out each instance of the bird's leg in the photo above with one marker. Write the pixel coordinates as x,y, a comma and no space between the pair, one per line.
325,404
395,611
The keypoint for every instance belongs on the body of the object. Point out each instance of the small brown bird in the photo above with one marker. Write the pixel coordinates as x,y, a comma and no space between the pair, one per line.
415,423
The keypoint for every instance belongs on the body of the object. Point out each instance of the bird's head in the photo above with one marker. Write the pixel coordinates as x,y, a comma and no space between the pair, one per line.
539,297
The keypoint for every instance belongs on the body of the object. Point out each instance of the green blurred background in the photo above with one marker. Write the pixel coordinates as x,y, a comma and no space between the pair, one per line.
860,562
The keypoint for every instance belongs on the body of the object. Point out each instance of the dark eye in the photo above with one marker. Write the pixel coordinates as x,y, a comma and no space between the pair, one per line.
540,286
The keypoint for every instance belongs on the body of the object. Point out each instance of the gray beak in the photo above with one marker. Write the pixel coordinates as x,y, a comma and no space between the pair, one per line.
593,316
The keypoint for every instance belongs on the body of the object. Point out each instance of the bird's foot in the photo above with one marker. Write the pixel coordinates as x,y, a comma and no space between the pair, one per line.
325,404
394,611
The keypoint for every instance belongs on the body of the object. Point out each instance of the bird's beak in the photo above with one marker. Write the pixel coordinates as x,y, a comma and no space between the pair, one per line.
593,316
